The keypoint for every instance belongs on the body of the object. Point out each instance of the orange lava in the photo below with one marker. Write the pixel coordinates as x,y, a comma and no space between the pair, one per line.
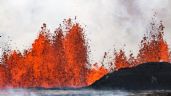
95,74
153,48
61,59
53,61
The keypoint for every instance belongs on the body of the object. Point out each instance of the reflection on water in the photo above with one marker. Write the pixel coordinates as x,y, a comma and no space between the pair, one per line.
33,92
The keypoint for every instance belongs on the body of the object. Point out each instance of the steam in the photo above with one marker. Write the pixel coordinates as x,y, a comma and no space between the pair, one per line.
90,92
17,92
109,23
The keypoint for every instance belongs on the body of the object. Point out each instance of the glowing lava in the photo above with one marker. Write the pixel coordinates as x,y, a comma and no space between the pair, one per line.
61,60
153,48
53,61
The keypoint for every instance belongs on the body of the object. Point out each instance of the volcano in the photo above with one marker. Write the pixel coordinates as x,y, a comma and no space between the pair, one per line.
61,59
147,76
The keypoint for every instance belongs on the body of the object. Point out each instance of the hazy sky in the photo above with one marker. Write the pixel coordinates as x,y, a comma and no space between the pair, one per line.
108,23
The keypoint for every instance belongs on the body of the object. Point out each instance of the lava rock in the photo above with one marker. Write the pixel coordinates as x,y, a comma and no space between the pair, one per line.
147,76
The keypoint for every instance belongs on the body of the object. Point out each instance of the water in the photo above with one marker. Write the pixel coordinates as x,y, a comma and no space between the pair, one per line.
34,92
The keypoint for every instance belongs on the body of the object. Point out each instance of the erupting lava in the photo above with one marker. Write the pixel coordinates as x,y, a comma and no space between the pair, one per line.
153,48
60,60
53,61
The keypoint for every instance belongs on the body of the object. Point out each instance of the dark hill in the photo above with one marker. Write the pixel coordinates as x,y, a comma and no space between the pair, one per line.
156,75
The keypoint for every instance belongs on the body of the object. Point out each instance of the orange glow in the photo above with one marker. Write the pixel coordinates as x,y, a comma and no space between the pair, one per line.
3,75
153,48
120,60
52,61
76,55
61,59
95,74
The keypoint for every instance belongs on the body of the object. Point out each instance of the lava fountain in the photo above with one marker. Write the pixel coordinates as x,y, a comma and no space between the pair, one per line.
60,60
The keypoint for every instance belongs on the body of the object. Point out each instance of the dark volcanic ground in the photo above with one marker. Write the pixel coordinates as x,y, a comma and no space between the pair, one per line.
147,76
149,79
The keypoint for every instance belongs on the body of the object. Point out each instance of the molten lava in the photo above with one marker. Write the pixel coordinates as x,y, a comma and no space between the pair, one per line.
61,59
53,61
95,74
153,48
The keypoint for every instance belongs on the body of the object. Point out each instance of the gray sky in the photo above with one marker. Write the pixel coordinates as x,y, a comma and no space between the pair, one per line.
109,23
